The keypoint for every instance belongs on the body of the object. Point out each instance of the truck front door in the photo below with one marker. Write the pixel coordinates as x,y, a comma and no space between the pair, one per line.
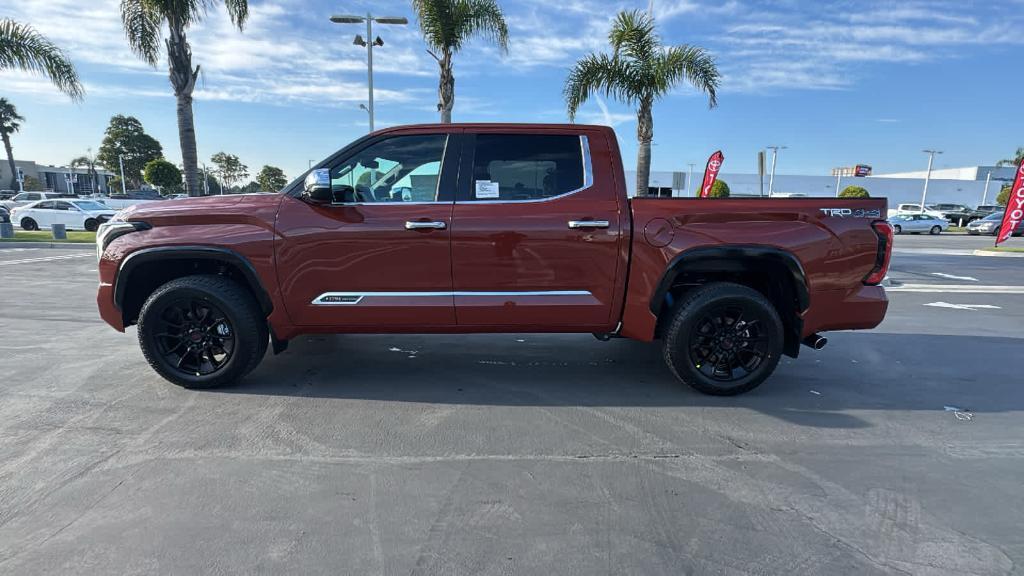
378,258
537,238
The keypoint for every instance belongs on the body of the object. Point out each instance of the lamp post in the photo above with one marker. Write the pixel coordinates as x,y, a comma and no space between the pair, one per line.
771,178
984,195
370,42
124,186
689,181
928,175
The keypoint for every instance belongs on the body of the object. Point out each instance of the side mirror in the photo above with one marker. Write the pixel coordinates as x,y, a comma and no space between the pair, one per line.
317,187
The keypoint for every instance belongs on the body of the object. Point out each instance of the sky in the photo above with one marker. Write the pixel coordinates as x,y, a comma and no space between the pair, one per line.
838,83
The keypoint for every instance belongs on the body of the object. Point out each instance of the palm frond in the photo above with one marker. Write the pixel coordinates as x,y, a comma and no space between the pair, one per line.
447,24
694,64
21,47
436,23
601,73
484,18
142,22
238,10
10,120
633,34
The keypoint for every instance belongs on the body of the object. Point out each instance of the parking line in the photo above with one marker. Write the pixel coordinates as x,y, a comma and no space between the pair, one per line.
45,259
956,289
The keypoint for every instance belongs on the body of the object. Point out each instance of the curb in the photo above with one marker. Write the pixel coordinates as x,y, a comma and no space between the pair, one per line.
63,245
1000,254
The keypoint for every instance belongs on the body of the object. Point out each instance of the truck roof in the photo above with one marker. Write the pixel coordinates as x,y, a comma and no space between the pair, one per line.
493,125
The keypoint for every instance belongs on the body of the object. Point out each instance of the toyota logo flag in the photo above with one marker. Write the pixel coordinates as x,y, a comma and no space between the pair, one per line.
711,173
1014,207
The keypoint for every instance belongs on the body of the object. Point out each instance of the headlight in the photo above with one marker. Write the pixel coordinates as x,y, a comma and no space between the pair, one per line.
108,231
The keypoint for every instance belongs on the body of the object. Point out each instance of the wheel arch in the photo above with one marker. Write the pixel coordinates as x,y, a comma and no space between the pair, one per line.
776,273
144,270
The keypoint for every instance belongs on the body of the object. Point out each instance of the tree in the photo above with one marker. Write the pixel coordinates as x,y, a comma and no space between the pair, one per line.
1004,195
250,188
230,168
212,186
143,22
854,192
22,48
10,122
719,190
32,184
89,162
114,185
271,179
446,26
125,137
1015,161
640,71
162,174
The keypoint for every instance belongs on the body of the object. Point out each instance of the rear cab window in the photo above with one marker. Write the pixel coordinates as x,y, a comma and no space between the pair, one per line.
527,167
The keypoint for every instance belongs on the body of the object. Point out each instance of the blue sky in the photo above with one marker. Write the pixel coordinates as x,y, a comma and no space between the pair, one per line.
838,82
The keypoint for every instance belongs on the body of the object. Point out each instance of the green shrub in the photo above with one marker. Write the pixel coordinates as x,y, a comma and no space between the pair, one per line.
854,192
719,190
1004,195
162,174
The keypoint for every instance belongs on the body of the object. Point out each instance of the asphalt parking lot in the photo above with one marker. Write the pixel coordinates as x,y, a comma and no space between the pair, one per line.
895,451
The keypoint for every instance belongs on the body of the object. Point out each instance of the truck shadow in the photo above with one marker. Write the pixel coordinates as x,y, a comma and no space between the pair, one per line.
857,371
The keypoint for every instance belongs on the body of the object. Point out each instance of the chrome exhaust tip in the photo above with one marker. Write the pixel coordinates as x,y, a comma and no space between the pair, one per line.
815,341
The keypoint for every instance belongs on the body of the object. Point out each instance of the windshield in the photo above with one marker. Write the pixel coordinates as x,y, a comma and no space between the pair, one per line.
90,205
995,216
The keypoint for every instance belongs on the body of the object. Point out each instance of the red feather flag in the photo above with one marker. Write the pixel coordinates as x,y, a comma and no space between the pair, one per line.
711,173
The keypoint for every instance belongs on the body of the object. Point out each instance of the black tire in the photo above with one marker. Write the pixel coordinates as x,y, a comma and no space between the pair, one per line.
91,225
199,305
752,342
896,229
29,224
935,231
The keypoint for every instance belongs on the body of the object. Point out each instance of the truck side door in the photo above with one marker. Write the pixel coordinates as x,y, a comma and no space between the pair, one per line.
537,239
378,257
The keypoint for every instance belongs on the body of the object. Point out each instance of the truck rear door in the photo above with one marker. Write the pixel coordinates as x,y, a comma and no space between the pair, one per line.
537,235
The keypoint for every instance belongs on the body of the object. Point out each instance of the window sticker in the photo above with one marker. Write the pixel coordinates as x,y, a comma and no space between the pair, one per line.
486,189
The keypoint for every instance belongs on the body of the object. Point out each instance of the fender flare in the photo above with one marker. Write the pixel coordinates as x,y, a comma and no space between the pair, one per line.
213,253
730,258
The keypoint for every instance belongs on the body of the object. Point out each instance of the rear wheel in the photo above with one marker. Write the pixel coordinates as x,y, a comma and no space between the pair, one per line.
29,224
724,339
202,331
896,229
91,225
935,230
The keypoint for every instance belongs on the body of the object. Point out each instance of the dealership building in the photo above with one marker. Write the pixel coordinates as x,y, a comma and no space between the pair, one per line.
55,177
970,185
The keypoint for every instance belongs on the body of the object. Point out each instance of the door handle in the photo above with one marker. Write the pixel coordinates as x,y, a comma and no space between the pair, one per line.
425,225
588,223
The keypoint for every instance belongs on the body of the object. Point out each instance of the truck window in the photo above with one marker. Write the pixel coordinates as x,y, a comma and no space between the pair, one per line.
399,169
526,166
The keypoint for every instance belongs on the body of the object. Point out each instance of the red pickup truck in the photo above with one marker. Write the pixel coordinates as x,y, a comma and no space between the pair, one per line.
469,228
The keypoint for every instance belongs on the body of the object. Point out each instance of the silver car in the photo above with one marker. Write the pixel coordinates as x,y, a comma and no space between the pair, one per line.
918,223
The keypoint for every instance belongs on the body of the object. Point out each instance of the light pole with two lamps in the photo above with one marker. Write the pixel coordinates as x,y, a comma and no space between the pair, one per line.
369,42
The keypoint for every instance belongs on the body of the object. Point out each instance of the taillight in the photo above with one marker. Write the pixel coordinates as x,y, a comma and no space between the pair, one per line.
884,232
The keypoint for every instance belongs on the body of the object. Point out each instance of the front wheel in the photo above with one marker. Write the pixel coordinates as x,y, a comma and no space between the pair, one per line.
29,224
91,225
935,230
896,229
724,339
202,331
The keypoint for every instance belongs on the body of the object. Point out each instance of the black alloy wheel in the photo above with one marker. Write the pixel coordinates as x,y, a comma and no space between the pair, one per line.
728,343
194,336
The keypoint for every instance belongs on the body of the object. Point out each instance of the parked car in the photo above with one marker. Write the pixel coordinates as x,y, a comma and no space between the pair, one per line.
26,198
73,214
956,213
990,225
515,228
5,215
918,223
7,194
989,208
902,209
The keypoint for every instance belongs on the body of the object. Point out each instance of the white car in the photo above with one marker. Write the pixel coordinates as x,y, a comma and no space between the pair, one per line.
73,214
903,209
26,198
918,223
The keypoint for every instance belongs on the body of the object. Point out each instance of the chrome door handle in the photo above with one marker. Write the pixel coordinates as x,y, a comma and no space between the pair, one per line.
588,223
425,225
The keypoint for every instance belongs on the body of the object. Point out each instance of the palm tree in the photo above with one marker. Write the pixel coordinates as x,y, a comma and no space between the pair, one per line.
88,160
22,48
639,71
446,26
143,23
10,122
1015,161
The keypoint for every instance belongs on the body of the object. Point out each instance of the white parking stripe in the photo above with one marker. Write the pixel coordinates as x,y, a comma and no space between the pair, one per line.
954,277
46,259
956,289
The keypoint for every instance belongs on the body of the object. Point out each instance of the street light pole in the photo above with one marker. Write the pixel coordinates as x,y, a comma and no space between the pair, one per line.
124,186
928,175
370,42
839,176
984,196
771,177
689,181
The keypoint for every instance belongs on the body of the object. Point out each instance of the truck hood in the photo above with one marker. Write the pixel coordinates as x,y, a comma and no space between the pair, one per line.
201,209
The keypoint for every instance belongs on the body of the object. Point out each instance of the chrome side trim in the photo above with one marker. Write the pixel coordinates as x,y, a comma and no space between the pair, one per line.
353,298
588,181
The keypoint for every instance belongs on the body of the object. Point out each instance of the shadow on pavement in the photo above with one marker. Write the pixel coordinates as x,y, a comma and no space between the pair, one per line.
857,371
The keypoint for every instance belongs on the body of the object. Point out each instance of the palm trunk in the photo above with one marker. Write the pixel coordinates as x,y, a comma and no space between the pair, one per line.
446,87
644,134
183,79
10,160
